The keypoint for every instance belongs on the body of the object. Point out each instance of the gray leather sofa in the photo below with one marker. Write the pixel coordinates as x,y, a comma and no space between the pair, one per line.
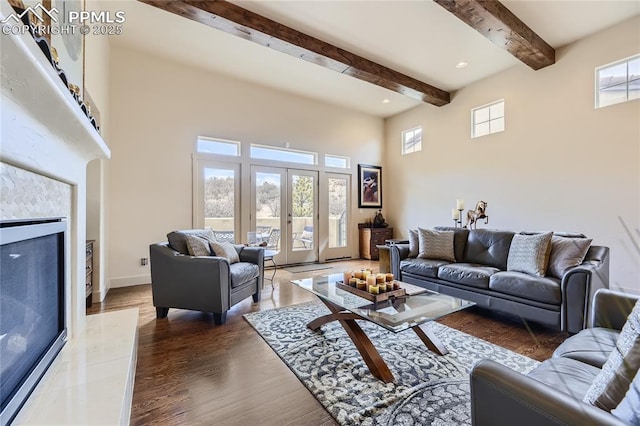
202,283
553,392
480,275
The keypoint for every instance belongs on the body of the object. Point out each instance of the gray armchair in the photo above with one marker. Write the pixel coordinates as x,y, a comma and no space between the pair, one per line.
552,393
202,283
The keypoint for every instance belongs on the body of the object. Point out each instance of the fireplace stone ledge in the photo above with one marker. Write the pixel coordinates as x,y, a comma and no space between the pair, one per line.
91,380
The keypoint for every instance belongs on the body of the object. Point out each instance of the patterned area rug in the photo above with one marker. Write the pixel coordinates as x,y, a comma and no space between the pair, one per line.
429,389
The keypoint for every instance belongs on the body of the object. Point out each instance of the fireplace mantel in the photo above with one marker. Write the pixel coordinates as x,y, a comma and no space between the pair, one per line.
42,124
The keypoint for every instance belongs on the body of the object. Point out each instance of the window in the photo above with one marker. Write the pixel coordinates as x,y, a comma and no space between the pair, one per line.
218,146
338,210
282,154
618,82
412,140
487,119
337,161
216,193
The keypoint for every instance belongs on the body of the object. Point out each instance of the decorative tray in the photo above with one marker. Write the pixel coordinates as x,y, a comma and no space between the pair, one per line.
370,296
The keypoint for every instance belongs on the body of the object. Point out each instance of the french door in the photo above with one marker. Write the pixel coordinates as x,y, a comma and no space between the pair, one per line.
286,201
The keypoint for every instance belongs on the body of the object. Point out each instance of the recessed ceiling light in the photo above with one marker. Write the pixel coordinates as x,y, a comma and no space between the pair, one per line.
462,64
386,101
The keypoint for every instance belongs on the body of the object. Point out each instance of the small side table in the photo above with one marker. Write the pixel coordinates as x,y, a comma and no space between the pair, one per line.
384,254
384,258
393,241
269,256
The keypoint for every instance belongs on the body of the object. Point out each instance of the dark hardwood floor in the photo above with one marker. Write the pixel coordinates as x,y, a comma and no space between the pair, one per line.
191,371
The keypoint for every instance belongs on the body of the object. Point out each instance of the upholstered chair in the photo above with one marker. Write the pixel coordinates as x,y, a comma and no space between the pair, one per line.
185,275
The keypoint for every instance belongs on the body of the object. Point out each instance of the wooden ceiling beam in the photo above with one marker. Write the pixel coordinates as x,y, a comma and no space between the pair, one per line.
243,23
497,23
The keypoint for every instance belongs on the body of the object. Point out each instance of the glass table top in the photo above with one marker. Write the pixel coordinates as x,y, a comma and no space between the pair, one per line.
417,307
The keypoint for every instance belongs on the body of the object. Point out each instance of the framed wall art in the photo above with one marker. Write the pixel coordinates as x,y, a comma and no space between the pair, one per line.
369,186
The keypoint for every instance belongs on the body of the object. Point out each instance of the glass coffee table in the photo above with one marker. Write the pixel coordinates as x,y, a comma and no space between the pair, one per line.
412,311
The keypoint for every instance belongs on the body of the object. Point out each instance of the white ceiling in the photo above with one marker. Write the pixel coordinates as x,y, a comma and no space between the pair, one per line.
417,38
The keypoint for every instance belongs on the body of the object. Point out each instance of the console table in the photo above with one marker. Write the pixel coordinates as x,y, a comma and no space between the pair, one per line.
370,238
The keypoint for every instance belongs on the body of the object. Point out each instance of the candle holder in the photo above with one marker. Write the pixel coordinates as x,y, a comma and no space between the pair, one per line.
457,218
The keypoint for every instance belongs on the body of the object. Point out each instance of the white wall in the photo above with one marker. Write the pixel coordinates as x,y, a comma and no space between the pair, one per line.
96,82
158,108
559,165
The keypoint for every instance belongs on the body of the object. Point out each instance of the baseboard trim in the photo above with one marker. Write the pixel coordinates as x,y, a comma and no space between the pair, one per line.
130,281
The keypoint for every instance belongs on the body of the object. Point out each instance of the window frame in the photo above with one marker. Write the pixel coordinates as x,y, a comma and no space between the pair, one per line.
597,87
275,148
489,120
404,133
238,144
340,157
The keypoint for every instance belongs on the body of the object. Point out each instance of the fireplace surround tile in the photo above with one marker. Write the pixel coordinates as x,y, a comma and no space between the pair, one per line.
27,195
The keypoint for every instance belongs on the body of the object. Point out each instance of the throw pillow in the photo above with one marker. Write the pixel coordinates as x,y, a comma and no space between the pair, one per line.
629,408
197,246
178,239
566,253
413,243
529,253
226,250
435,245
610,385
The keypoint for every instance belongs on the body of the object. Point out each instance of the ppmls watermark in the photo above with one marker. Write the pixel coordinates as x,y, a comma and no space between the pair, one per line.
48,21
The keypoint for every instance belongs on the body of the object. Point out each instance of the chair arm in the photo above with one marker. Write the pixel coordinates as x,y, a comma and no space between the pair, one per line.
397,252
251,254
503,397
254,255
611,308
579,285
200,283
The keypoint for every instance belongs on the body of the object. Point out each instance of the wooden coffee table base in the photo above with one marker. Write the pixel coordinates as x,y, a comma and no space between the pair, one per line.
369,353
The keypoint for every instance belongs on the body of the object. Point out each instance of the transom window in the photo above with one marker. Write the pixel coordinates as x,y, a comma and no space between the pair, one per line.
218,146
412,140
263,152
487,119
337,161
618,82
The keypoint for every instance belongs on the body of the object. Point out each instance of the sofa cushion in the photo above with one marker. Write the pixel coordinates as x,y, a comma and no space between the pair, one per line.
413,243
422,267
629,408
435,245
197,246
540,289
566,253
460,236
225,249
178,239
529,253
591,346
608,389
241,272
566,375
488,247
467,274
